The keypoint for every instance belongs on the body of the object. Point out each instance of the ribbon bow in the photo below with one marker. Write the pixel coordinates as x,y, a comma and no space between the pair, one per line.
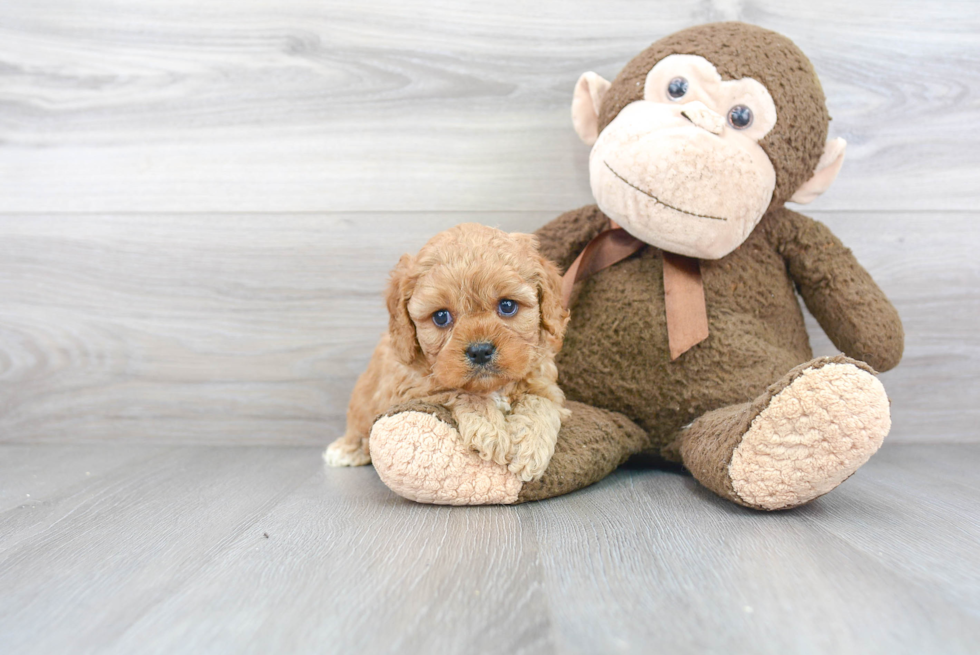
687,315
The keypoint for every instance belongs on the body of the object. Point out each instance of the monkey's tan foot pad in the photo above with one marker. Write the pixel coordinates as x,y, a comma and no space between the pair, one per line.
340,453
811,437
421,458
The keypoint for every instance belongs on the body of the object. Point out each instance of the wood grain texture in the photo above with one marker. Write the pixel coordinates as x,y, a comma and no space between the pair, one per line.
934,536
712,577
379,574
306,105
94,556
38,472
199,204
926,264
170,555
253,328
192,328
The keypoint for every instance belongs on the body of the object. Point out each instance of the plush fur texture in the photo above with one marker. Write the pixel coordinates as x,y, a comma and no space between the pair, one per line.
508,408
420,440
810,437
800,438
417,454
738,50
674,172
592,444
748,410
617,357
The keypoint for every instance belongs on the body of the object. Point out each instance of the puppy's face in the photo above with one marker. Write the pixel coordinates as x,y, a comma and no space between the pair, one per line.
477,307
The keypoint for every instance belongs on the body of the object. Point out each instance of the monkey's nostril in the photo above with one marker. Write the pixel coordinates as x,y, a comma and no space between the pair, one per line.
480,353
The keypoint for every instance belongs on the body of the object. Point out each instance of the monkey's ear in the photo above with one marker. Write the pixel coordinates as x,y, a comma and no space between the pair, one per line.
827,169
589,91
401,328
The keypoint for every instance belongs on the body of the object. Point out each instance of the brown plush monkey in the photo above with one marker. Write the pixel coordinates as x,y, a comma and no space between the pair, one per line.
687,339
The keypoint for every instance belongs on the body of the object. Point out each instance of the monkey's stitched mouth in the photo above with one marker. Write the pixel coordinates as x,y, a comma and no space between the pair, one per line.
658,200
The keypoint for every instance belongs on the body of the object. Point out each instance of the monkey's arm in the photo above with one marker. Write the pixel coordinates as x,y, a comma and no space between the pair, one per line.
565,237
839,293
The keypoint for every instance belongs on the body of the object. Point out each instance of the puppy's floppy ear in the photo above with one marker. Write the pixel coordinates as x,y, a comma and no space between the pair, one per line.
554,316
401,329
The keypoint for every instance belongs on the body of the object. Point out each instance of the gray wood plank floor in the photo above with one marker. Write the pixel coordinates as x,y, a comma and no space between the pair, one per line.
261,550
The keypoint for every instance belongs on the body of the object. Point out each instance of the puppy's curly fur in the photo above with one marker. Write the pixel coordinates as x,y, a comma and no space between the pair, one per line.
494,368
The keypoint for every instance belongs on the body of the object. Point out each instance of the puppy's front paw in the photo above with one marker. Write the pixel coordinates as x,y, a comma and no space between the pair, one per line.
485,432
529,466
533,447
346,452
490,445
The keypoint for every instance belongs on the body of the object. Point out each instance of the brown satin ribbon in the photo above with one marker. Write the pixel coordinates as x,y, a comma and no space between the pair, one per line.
687,316
606,248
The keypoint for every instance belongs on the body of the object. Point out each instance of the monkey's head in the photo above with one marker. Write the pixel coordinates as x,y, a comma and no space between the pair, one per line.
702,133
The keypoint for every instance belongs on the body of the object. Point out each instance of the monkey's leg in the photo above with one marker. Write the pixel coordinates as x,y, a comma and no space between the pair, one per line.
418,453
592,443
800,439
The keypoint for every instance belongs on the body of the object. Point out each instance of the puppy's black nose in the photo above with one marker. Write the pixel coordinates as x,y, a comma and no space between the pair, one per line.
480,353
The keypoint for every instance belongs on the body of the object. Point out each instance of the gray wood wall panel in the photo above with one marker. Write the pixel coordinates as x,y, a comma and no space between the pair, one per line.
252,328
199,202
195,328
383,105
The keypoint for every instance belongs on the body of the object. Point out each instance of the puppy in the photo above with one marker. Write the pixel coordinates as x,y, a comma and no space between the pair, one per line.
475,321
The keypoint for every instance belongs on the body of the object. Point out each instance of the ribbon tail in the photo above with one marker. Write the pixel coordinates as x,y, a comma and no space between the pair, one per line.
687,315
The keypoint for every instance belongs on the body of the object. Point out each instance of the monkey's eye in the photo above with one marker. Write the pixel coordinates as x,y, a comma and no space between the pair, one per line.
507,307
677,88
442,318
740,117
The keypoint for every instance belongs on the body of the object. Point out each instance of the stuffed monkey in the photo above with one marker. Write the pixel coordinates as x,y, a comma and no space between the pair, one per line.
687,339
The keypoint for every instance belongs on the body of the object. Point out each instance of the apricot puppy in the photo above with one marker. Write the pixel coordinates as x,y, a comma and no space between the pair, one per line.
475,322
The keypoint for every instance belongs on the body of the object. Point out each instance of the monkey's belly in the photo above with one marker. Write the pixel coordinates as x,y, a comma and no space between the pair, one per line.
616,355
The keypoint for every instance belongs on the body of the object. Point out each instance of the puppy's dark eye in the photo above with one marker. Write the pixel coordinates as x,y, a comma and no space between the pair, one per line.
442,318
740,117
507,307
677,88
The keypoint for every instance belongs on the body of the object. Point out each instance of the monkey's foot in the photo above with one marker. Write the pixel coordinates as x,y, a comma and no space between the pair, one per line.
813,435
419,455
801,438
